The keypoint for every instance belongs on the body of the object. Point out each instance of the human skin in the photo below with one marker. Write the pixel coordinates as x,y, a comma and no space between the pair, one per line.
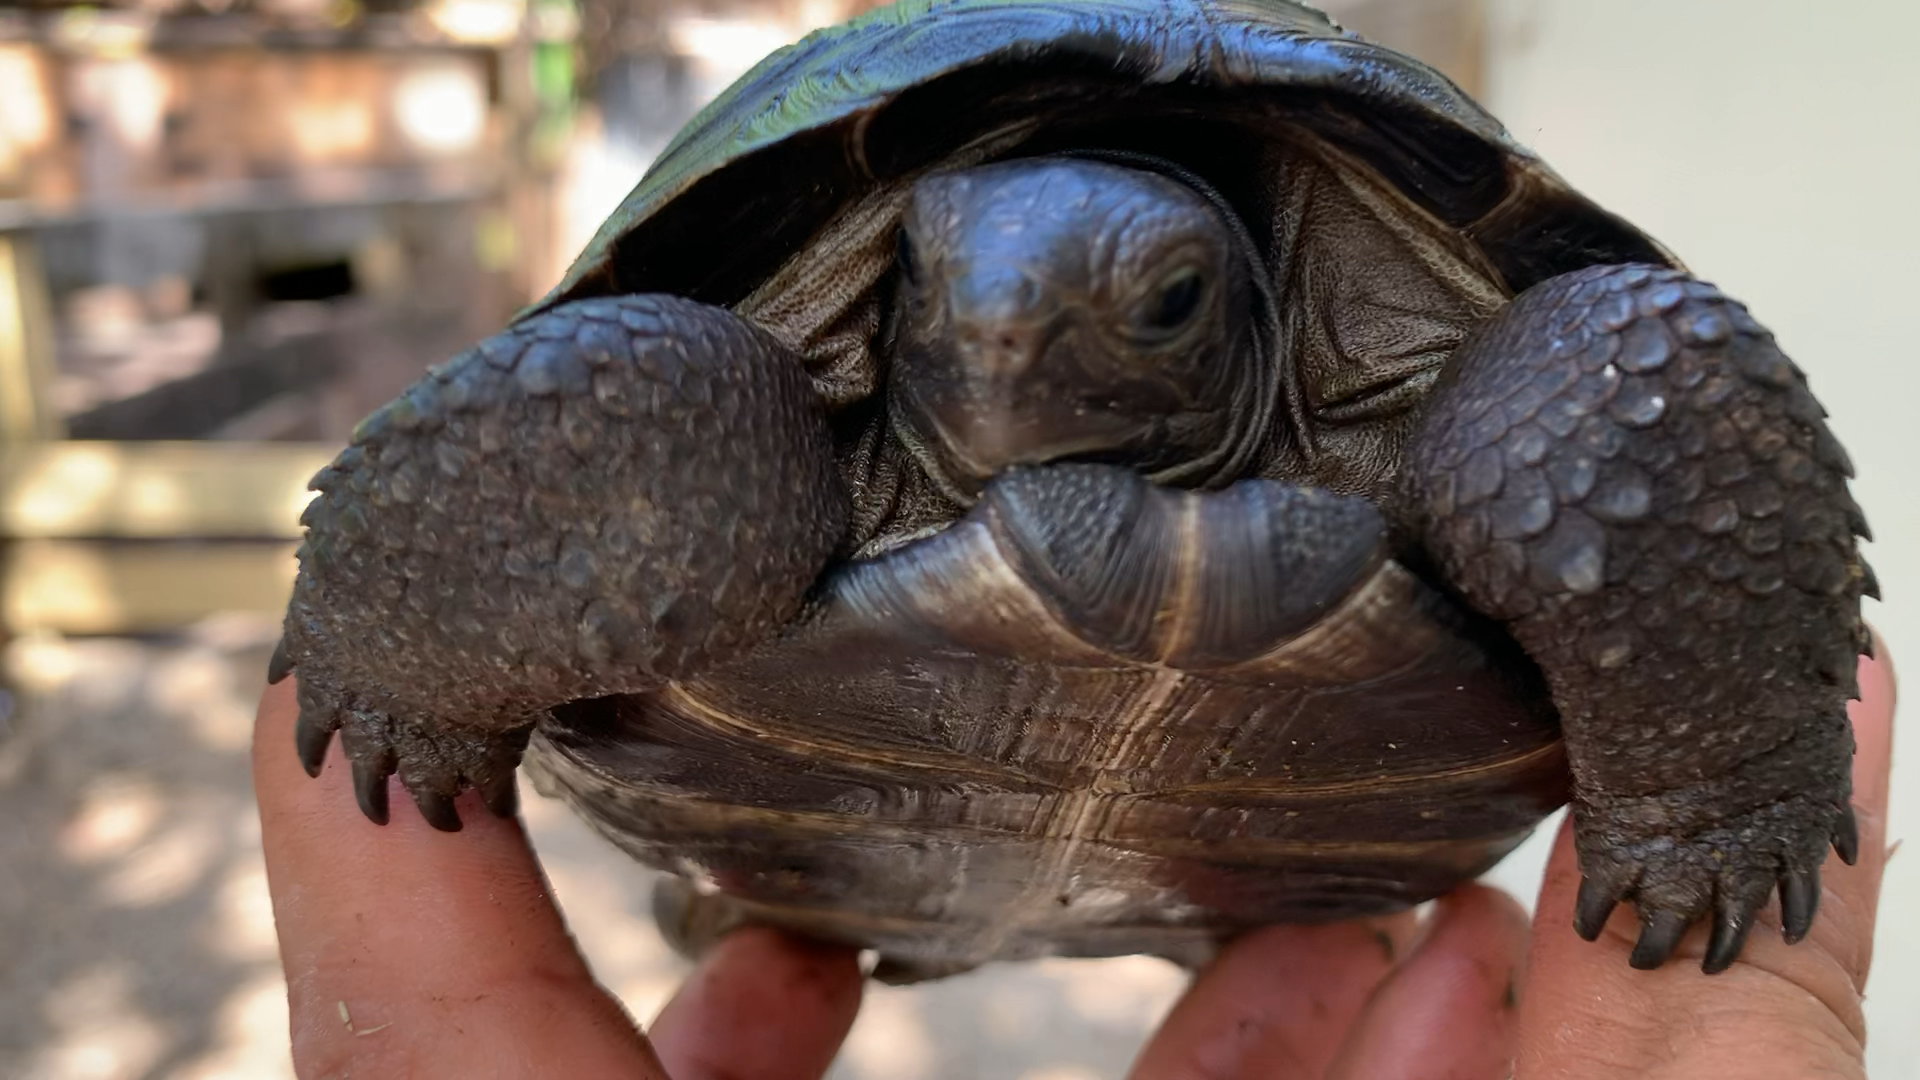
452,960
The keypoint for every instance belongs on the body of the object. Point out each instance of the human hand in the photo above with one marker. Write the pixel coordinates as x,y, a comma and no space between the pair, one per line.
1481,988
451,960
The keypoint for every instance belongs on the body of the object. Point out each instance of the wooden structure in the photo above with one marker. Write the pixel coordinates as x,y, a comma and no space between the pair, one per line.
93,532
274,218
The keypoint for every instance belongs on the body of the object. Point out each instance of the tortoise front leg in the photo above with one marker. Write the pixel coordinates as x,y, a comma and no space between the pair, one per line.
604,497
1624,468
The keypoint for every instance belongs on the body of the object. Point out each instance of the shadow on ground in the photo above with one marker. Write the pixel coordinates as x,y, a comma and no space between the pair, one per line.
134,927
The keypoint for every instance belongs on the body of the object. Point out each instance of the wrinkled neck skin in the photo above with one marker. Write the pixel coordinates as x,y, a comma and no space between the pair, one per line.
1060,309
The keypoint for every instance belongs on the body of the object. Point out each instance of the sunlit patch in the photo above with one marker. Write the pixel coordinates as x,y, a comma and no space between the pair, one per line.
331,129
1128,991
622,940
63,488
155,495
50,584
131,94
41,662
891,1039
99,1030
478,22
197,686
26,112
604,897
26,115
443,110
242,923
1520,873
1011,1017
163,868
250,1035
730,44
539,812
110,677
595,176
116,813
645,995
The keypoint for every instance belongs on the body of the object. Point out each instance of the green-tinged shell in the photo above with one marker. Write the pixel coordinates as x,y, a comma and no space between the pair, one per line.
851,108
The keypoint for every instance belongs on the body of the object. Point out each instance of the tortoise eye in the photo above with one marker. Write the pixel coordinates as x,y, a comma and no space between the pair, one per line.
1177,302
906,260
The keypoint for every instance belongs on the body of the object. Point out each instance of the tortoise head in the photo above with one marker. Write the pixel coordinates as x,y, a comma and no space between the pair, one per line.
1064,308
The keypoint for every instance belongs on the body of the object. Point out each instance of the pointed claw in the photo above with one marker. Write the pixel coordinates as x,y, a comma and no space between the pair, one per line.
1869,581
280,666
438,810
370,788
1799,898
310,738
1846,837
1591,910
501,794
1660,934
1857,521
1729,937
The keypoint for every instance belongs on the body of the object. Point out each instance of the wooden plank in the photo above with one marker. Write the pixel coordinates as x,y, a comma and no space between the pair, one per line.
82,587
204,490
26,345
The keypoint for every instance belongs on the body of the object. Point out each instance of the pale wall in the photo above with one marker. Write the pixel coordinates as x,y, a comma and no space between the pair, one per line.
1776,147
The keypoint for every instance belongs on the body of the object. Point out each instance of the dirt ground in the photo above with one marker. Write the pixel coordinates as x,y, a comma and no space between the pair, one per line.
136,937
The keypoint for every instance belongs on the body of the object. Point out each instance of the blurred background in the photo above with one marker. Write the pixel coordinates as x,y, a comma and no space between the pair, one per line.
229,228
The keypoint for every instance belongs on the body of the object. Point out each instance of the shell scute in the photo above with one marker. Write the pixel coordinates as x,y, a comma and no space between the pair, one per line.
1403,119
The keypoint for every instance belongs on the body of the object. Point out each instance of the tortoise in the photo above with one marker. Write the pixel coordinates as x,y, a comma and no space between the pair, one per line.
1022,478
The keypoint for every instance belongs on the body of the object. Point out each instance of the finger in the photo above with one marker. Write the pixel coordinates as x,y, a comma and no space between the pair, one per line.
761,1004
1852,901
410,951
1780,1010
1275,1004
1451,1009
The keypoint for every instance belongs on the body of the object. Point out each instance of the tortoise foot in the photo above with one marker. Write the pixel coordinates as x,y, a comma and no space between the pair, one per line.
605,496
434,763
1724,874
1629,473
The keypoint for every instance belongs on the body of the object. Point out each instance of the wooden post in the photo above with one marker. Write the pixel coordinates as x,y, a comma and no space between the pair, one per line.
26,347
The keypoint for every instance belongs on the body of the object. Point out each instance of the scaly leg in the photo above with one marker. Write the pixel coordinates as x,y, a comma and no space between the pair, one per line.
1624,467
604,497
